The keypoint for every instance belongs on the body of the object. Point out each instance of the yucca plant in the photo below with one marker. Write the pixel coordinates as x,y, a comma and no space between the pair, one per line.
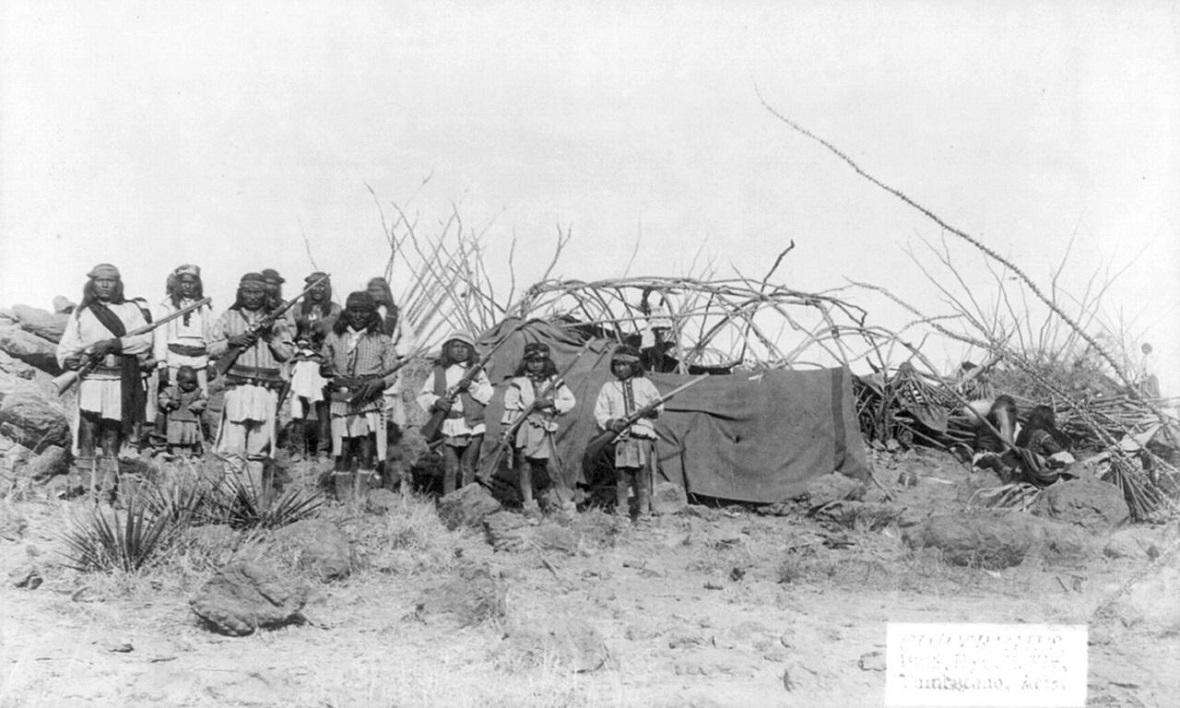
240,504
110,540
184,502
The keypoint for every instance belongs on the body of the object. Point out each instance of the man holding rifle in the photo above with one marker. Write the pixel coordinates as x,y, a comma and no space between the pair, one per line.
251,344
111,393
458,390
357,354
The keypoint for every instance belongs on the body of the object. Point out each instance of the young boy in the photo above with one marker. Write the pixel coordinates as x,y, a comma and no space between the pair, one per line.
464,426
630,392
182,403
535,390
307,397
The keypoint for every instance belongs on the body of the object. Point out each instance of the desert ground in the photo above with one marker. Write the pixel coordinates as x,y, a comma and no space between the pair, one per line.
706,605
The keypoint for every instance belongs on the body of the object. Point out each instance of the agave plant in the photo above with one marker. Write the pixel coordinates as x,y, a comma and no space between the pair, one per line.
184,502
110,540
241,504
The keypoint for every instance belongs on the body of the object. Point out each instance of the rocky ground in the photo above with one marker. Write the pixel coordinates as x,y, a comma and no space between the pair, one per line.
704,606
464,603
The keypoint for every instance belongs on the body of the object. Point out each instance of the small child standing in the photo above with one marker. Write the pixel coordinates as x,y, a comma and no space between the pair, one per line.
183,402
307,399
628,394
537,393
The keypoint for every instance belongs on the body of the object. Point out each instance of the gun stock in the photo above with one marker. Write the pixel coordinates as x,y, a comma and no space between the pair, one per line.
66,380
226,360
599,442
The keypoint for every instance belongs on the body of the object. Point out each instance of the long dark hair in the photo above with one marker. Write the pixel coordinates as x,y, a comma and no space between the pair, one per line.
389,326
1042,418
306,305
445,360
372,326
89,297
172,290
549,370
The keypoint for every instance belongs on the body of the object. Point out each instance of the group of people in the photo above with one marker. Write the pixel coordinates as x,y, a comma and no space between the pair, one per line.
145,375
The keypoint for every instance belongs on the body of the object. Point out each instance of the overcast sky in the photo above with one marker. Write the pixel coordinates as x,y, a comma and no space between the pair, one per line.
151,134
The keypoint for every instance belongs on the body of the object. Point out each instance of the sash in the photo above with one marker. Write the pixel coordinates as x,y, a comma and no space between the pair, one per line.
132,395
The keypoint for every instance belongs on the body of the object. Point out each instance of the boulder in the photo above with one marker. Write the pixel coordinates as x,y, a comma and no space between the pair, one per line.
44,324
831,488
51,462
321,547
668,498
30,418
1132,542
1089,503
506,531
382,501
62,305
30,348
467,506
244,597
984,540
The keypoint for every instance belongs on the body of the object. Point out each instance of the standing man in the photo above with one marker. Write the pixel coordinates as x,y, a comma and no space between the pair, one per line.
358,358
314,319
389,436
184,341
274,295
463,428
248,415
111,396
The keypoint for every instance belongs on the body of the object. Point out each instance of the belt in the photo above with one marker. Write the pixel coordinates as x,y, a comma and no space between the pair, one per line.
271,384
254,372
187,350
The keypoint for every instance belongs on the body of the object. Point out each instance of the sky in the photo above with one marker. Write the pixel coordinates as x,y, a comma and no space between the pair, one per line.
153,134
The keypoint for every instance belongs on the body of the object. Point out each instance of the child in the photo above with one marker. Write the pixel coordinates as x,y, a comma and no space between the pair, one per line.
307,398
463,429
618,399
536,392
183,402
1049,447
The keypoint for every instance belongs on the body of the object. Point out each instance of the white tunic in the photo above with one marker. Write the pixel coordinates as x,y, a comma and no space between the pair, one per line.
100,391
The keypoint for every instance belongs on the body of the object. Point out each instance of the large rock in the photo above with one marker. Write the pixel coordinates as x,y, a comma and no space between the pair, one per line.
983,540
467,506
12,369
44,324
832,488
52,461
668,498
243,597
322,548
29,417
1089,503
30,348
509,532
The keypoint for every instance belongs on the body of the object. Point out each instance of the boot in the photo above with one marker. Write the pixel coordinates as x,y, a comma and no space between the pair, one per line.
622,498
344,486
108,479
364,482
643,488
297,440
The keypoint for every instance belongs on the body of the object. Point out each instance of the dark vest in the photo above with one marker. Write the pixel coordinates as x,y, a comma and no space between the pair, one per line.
472,409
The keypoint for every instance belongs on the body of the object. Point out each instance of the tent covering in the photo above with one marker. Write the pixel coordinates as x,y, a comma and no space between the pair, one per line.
745,438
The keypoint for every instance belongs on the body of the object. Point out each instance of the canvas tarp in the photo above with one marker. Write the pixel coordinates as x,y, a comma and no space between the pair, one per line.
753,439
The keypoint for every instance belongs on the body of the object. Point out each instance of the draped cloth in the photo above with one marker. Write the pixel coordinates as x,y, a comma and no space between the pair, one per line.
132,393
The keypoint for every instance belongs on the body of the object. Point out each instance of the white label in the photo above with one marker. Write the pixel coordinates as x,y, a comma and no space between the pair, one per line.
944,664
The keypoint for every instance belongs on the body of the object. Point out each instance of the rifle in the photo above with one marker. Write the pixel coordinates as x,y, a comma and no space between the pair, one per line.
66,380
598,442
432,428
226,360
505,441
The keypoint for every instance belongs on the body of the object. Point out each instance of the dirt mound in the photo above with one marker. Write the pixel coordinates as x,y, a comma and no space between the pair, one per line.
987,541
668,498
467,506
244,597
321,548
833,487
476,594
1088,503
569,643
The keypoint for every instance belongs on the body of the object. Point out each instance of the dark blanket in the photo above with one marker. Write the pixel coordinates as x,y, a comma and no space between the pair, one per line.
754,440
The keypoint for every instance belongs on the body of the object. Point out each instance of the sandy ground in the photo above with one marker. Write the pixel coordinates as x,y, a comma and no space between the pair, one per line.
709,607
